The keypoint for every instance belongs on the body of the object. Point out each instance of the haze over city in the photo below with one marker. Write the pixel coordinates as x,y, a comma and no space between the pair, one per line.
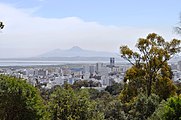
33,27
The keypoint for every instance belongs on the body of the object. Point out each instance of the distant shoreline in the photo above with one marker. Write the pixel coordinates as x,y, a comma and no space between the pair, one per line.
63,59
26,63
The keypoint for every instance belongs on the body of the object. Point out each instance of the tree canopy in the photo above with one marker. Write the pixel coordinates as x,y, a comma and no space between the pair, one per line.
168,110
67,104
150,61
19,100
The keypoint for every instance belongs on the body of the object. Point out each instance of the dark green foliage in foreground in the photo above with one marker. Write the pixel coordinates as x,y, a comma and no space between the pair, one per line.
66,104
178,85
168,110
115,111
19,100
139,109
144,106
114,89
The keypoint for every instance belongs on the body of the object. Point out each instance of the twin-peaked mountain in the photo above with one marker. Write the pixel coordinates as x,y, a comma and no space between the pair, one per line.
77,52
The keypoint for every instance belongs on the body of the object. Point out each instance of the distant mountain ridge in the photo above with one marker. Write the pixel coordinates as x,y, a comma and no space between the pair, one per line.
77,52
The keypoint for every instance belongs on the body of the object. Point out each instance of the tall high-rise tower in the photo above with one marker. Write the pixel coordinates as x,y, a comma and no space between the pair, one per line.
112,61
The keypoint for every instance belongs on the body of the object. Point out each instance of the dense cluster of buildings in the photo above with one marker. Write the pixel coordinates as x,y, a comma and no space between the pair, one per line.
48,76
176,69
102,73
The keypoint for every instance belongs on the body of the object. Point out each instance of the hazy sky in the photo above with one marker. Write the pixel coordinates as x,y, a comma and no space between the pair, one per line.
33,27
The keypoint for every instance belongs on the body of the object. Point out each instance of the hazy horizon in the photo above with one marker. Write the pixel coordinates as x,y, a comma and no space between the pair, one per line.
34,27
74,51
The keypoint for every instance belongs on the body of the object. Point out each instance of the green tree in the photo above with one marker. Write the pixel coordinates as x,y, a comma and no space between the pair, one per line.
115,88
84,83
168,110
115,111
178,85
164,87
150,62
134,84
66,104
94,94
80,83
140,108
19,100
143,106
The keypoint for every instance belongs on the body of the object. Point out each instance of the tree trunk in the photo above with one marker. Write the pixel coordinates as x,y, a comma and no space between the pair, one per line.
149,84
